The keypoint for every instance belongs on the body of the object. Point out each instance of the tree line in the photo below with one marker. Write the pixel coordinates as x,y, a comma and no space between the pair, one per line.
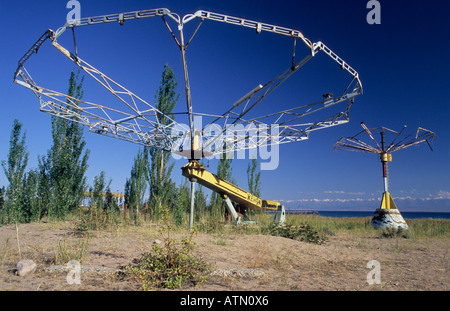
58,186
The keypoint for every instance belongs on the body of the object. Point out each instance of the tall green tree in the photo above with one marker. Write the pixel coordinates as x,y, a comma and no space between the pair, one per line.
66,162
201,207
2,205
44,192
182,202
126,194
30,205
159,169
14,169
98,190
2,197
111,202
254,178
138,183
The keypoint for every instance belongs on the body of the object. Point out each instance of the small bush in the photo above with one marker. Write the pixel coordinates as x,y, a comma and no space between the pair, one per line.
168,266
303,232
394,233
167,269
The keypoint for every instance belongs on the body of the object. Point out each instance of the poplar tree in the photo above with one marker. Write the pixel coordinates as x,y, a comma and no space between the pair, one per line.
126,193
159,169
98,189
66,162
254,178
2,205
182,202
14,169
31,207
137,184
2,197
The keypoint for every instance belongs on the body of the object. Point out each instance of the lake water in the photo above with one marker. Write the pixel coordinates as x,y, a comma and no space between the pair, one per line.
406,215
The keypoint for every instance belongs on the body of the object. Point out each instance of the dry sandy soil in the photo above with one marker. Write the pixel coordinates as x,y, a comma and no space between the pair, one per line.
288,265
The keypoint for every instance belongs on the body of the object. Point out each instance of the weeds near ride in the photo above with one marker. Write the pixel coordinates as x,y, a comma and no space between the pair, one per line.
71,251
96,219
303,232
169,266
4,253
394,233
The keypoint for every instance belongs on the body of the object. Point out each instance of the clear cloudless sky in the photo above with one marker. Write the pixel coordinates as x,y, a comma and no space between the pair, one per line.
403,64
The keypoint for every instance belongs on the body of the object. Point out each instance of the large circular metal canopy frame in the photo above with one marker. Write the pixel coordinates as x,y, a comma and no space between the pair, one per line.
140,122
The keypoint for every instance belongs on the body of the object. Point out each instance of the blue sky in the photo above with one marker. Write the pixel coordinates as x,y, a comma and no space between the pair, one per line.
403,65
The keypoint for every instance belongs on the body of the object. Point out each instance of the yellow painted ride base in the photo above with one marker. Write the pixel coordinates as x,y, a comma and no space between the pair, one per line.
387,202
388,216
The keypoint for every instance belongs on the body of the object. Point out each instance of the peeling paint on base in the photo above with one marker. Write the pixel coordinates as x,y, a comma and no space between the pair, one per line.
385,218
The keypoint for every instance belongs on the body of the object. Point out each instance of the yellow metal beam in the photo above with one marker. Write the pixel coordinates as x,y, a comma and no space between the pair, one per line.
114,195
194,170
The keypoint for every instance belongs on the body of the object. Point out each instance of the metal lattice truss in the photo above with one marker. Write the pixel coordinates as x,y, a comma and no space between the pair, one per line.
399,140
140,122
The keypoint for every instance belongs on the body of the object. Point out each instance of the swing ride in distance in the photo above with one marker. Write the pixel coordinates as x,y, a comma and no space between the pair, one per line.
129,117
388,215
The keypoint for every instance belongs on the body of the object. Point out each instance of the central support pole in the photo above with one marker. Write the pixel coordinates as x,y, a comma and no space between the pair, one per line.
187,89
386,202
384,159
191,120
191,213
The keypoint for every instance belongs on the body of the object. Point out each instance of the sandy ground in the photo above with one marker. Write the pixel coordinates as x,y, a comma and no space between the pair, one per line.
288,265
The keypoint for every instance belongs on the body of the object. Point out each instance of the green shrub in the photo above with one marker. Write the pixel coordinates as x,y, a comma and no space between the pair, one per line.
394,233
169,266
172,269
303,232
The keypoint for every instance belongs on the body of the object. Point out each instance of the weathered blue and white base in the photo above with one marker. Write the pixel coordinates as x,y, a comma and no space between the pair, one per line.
388,218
